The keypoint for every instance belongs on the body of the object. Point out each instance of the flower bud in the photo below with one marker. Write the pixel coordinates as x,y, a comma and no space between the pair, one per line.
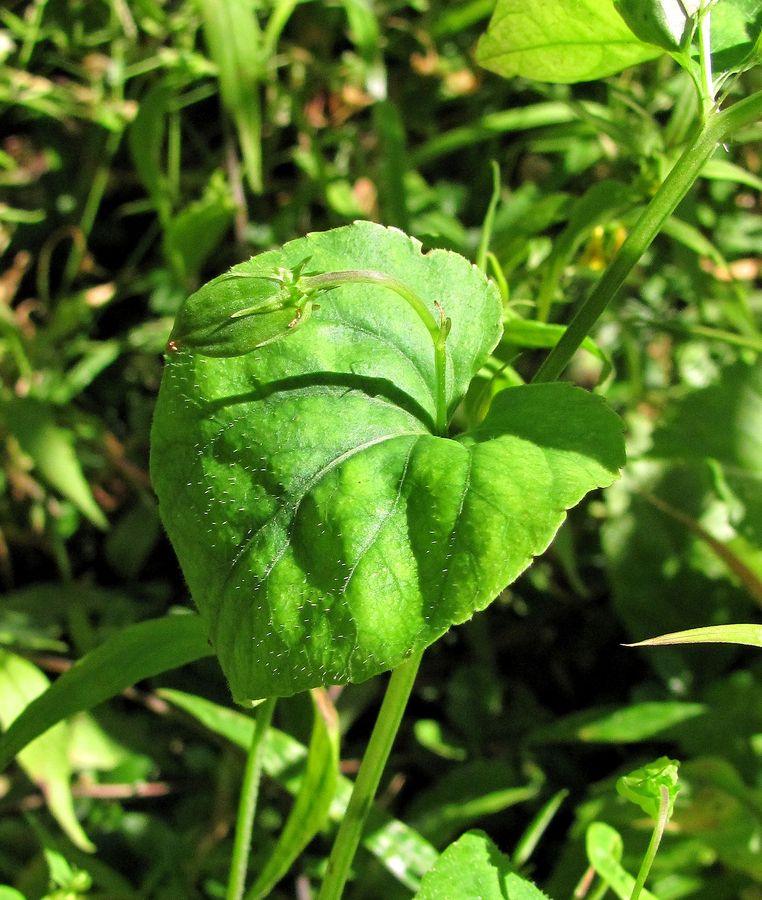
239,312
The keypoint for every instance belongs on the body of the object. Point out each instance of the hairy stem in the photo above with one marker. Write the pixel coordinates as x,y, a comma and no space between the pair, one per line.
719,127
437,329
371,769
248,803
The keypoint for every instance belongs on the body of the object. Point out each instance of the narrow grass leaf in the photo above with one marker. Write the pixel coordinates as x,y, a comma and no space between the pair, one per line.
560,41
394,164
717,169
310,811
625,725
235,44
750,635
45,760
137,652
467,794
530,334
195,231
533,833
538,115
145,139
51,448
406,854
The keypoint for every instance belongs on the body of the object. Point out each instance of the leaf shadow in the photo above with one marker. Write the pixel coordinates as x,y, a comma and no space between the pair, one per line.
372,387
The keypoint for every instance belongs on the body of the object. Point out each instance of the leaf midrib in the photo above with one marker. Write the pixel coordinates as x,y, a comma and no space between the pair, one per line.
303,490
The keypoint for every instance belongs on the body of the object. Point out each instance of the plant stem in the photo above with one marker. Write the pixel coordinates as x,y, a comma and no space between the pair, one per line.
718,127
248,803
371,769
653,844
489,219
437,329
705,61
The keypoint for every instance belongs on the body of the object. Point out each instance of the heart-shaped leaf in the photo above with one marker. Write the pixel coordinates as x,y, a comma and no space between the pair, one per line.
325,530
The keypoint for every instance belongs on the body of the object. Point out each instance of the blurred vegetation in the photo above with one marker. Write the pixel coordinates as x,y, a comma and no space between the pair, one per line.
145,146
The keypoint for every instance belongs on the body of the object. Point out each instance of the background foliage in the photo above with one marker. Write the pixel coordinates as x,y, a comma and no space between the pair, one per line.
135,165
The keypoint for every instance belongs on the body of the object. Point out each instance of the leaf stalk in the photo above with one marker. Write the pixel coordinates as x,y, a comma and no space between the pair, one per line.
372,767
247,804
438,330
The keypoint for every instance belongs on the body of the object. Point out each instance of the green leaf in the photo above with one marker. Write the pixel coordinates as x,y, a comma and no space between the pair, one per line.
529,333
46,760
597,206
466,794
52,450
750,635
646,785
665,23
403,851
145,138
429,734
234,39
325,532
723,812
193,233
722,425
559,41
717,169
736,35
474,867
313,802
624,725
137,652
604,852
652,551
68,879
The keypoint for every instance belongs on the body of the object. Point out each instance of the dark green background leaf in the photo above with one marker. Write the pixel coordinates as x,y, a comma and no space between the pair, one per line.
736,33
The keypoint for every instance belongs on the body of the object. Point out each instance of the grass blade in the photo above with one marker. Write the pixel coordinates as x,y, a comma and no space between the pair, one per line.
403,851
137,652
313,801
750,635
235,44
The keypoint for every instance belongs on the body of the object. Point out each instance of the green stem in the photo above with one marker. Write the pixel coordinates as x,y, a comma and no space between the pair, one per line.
719,127
275,25
705,61
371,769
653,844
248,803
437,329
489,219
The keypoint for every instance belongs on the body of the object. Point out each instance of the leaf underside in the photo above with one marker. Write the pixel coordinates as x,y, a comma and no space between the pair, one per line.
325,532
561,41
